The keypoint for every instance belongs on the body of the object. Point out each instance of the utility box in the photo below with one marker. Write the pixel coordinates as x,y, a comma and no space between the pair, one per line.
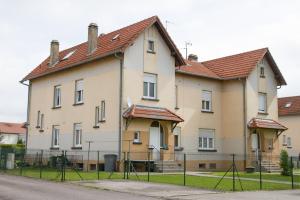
10,161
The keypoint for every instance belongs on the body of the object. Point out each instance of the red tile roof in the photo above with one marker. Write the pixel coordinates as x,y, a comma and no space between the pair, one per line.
289,106
232,67
266,124
139,111
12,128
106,46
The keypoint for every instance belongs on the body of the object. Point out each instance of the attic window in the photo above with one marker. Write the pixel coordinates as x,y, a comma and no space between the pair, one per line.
287,105
69,55
115,37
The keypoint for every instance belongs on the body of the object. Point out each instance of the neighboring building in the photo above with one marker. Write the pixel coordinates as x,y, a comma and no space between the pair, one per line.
10,133
131,90
289,114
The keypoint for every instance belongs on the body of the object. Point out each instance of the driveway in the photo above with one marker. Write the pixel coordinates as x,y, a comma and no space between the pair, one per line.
20,188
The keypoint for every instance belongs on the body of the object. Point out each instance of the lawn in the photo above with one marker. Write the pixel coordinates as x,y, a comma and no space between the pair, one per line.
176,179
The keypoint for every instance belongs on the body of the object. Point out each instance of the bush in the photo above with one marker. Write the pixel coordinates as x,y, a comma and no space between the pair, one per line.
284,163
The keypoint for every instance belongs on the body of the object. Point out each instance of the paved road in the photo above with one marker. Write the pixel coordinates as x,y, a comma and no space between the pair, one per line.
20,188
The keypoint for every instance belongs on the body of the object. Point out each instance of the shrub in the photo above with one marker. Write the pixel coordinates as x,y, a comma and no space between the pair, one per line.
284,163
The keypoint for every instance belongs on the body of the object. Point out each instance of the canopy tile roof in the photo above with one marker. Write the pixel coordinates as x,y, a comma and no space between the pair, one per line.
289,106
12,128
146,112
265,124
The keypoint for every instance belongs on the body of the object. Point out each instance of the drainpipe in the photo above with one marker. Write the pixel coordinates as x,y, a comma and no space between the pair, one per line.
121,58
245,121
28,109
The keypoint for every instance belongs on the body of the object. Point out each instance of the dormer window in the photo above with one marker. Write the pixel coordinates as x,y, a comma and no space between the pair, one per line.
150,46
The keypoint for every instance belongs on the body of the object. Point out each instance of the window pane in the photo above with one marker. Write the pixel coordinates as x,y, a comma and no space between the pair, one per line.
152,90
200,142
176,141
204,143
145,89
210,144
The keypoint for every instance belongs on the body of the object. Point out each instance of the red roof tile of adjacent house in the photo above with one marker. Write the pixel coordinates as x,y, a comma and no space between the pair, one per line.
232,67
106,46
289,106
266,124
12,128
139,111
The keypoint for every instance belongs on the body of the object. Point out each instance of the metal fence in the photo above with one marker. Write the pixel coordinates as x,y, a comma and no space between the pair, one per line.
210,170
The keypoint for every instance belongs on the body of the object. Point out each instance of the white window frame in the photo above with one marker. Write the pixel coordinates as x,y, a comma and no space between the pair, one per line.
284,140
42,122
57,96
78,91
55,136
148,80
97,115
262,108
177,133
261,71
38,121
289,142
137,137
102,111
206,101
151,46
176,97
205,137
77,131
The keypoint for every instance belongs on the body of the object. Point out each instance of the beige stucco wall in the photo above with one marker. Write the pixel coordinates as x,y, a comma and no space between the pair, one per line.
101,82
292,122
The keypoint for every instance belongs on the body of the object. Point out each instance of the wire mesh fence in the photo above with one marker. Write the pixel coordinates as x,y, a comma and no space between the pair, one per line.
208,170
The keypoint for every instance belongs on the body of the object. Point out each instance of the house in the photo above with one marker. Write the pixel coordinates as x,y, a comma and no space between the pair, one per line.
11,133
132,91
289,114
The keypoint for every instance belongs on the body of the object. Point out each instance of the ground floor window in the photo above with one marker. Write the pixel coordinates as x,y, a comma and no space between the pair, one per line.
137,137
55,136
206,139
177,137
77,135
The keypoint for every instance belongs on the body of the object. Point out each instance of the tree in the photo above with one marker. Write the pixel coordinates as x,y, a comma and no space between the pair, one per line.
284,163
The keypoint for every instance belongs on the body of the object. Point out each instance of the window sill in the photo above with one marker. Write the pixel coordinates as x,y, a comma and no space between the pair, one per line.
263,113
289,147
152,52
54,148
164,148
207,150
78,104
76,148
149,99
96,126
176,108
178,149
262,76
102,121
136,142
41,131
207,111
37,127
56,107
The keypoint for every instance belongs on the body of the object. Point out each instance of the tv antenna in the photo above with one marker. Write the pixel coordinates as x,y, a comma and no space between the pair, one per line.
168,22
186,48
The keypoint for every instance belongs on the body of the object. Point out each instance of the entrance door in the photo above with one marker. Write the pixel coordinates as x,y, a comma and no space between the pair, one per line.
154,142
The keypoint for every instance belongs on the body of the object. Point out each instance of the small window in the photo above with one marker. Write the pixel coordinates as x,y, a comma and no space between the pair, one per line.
212,166
42,122
177,137
102,118
97,115
150,46
55,136
150,86
284,141
206,139
79,91
77,135
289,142
262,72
206,100
262,102
137,137
202,165
57,96
38,122
176,96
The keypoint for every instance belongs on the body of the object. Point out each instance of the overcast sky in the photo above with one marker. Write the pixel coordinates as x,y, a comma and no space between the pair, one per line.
215,28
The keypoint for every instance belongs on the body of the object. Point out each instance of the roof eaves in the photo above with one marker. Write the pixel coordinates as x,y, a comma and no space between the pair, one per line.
198,75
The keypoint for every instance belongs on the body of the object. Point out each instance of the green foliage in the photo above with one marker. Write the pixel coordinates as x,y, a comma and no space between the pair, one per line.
284,163
20,142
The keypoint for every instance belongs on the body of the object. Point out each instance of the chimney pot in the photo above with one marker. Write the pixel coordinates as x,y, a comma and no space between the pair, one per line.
92,37
54,52
193,58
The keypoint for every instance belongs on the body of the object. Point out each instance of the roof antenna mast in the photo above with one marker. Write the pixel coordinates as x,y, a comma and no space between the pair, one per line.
168,22
186,48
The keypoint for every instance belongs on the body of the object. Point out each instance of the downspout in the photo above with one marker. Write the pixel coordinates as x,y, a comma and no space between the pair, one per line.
121,58
245,122
28,110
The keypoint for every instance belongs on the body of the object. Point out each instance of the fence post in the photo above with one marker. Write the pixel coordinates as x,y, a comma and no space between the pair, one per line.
233,172
148,178
98,167
292,172
41,163
260,175
124,165
62,166
22,163
184,169
128,164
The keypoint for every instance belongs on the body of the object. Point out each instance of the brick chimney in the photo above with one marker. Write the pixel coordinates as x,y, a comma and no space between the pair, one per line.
54,52
92,37
193,58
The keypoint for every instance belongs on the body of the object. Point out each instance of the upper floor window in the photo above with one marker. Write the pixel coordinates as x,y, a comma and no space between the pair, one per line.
79,91
289,142
38,121
206,139
55,136
176,97
262,102
77,135
102,116
151,46
206,100
150,86
57,96
262,71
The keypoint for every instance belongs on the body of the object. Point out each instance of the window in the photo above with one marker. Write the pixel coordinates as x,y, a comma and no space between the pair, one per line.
79,91
150,86
38,125
206,139
102,118
262,102
150,46
97,118
42,122
176,96
289,142
57,96
177,137
55,136
77,135
206,100
262,71
284,142
136,138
